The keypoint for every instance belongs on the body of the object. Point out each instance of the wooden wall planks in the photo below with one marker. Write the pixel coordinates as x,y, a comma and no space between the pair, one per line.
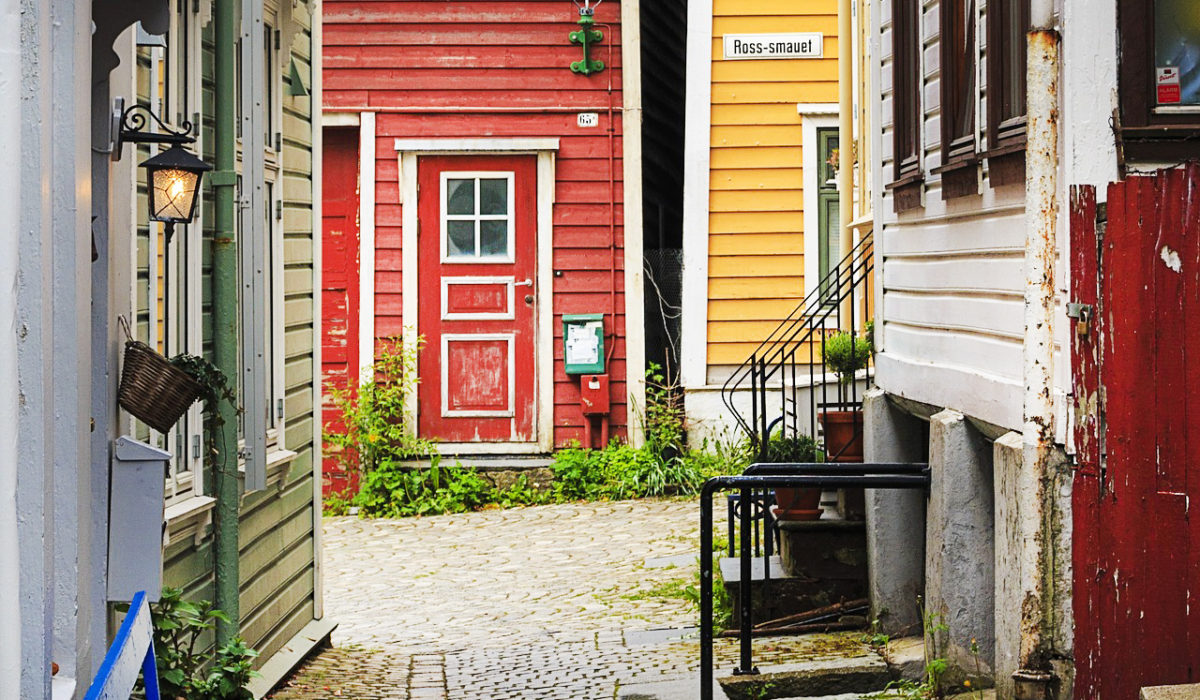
470,68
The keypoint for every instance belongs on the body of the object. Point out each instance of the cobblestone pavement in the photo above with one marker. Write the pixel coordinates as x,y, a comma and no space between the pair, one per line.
565,601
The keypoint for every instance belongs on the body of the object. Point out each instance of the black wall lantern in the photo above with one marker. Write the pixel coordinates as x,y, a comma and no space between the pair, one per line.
174,175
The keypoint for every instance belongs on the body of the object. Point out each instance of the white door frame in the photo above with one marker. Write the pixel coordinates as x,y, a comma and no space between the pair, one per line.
408,151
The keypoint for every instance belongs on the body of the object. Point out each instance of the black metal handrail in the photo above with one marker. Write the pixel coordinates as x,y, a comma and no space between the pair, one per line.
760,477
840,301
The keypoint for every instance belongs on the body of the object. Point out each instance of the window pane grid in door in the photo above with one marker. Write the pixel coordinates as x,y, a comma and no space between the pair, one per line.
477,217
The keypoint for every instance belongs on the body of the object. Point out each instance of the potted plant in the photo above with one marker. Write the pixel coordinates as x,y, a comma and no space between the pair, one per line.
844,354
795,503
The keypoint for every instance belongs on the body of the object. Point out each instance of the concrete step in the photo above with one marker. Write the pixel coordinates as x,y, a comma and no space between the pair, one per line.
850,677
786,593
1170,692
486,463
501,470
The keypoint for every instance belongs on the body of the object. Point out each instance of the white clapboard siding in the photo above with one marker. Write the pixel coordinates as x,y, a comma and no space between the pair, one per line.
952,271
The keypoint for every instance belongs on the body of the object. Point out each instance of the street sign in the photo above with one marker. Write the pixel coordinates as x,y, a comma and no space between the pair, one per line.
774,46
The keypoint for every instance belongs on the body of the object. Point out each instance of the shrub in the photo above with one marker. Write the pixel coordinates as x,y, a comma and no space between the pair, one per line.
844,355
374,429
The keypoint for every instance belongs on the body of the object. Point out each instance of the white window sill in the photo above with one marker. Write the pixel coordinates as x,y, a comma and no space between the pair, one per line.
279,463
188,518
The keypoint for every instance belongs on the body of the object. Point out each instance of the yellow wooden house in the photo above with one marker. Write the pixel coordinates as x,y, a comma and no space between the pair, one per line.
761,208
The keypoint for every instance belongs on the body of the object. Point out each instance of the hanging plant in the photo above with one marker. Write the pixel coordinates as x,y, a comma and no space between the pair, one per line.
214,386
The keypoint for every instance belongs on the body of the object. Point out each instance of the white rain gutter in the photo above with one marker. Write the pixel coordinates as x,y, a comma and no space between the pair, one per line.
845,144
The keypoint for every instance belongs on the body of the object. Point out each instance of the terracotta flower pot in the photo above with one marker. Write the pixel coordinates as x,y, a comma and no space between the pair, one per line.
798,504
844,443
843,435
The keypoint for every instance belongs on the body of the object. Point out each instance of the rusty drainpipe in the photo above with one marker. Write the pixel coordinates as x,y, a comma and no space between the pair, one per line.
1034,679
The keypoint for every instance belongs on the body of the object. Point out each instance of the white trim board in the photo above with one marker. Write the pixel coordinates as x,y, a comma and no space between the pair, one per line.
697,158
366,243
318,423
335,119
481,145
544,321
817,109
810,122
631,160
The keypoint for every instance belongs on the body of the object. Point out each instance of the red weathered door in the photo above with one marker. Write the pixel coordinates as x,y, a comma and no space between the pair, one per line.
477,278
339,275
1137,429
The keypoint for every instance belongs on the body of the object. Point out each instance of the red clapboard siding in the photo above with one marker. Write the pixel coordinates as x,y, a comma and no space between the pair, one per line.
472,69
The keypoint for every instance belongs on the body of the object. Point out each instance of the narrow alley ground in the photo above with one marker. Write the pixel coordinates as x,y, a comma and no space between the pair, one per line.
576,601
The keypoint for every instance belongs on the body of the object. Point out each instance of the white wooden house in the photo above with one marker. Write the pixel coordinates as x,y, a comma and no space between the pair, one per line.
984,133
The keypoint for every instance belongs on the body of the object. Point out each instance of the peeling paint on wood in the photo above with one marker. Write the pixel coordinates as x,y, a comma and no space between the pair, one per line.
1136,575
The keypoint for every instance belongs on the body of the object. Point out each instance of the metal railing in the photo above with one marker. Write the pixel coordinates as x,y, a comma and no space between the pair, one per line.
757,479
840,302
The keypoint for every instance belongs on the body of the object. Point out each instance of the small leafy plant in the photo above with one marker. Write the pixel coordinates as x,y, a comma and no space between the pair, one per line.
215,387
844,354
932,687
187,666
395,490
373,429
796,449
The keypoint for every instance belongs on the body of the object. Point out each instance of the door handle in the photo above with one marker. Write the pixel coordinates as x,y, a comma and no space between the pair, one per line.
527,283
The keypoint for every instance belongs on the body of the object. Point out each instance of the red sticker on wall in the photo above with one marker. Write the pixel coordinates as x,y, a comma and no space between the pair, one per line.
1167,84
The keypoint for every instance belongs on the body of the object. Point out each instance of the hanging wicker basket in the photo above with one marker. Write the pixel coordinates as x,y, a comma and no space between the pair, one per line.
152,389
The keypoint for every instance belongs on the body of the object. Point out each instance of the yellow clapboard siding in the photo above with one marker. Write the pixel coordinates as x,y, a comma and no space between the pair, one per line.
762,93
756,222
756,244
760,309
788,75
756,288
755,266
758,179
737,353
749,158
782,113
825,22
773,135
772,7
756,200
740,331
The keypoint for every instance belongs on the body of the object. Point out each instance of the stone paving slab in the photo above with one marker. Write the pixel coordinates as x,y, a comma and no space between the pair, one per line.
545,602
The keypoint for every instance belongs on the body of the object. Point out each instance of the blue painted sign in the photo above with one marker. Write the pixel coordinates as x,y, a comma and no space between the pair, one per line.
132,650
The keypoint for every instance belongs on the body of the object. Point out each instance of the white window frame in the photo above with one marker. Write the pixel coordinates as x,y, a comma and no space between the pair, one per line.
444,218
185,481
444,363
813,117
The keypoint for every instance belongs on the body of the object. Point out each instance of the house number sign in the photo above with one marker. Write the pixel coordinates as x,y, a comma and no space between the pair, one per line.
797,45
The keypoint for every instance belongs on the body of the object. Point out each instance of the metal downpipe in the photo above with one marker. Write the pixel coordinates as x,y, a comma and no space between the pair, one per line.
1034,678
225,318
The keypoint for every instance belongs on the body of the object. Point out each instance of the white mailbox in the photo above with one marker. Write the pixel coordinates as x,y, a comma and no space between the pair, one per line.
135,520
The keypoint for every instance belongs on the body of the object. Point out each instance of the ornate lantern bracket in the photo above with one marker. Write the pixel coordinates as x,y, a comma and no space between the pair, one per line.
132,125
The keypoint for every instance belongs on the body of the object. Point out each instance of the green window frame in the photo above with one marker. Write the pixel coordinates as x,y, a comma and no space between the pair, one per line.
828,212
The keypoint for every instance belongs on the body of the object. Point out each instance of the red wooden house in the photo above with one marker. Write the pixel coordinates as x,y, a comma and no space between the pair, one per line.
476,190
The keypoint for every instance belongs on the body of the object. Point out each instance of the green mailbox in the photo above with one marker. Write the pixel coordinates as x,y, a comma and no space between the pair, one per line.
583,343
